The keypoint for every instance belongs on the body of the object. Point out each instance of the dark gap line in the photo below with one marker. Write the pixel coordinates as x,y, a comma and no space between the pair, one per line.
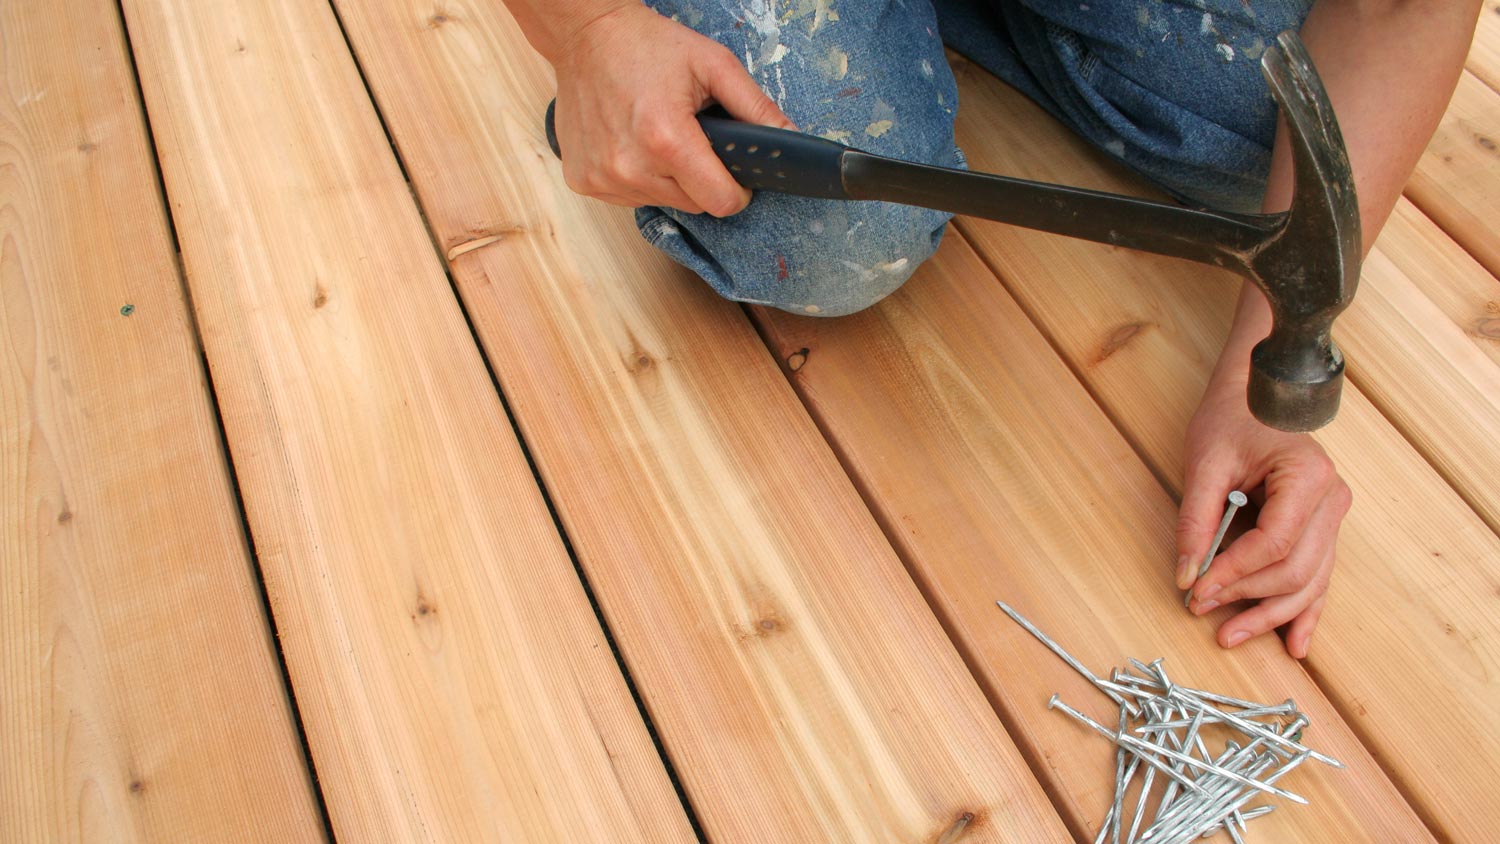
526,449
1385,407
972,662
1364,736
1114,419
234,482
1426,209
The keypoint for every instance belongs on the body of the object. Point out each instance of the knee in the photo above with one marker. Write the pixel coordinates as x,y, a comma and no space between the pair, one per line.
809,257
846,265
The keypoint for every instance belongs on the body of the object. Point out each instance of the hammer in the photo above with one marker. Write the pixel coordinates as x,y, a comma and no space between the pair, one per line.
1306,259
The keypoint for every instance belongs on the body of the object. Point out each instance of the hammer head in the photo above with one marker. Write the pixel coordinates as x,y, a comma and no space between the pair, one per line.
1309,266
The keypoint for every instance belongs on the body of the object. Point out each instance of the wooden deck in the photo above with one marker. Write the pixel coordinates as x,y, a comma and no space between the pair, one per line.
362,482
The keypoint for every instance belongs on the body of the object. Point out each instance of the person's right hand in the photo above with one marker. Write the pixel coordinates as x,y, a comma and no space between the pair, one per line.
629,85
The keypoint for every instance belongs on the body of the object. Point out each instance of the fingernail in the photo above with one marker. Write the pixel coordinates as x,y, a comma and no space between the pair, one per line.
1236,637
1184,571
1207,606
1209,591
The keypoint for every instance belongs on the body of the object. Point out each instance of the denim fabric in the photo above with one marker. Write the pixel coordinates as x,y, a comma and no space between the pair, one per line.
870,74
1170,87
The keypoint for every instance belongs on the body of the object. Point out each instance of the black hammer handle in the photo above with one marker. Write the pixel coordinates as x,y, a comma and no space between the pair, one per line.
763,158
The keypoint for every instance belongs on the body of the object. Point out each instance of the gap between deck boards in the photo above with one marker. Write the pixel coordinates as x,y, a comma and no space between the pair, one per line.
957,230
246,535
445,259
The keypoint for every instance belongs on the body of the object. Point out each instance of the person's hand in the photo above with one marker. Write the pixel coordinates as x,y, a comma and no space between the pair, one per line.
1283,563
629,85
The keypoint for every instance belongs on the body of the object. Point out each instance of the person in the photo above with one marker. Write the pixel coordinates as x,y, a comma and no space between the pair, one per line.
1171,88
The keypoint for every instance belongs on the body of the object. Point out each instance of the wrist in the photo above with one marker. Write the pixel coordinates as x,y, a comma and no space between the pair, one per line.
558,33
1251,324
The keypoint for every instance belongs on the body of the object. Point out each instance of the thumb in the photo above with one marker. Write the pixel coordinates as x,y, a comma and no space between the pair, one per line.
734,89
1204,490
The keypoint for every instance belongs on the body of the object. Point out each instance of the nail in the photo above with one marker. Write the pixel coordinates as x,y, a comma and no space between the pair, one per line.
1205,607
1211,590
1237,500
1236,637
1260,730
1132,743
1067,657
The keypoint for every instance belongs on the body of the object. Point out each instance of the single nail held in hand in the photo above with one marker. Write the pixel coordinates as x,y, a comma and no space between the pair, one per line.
1237,500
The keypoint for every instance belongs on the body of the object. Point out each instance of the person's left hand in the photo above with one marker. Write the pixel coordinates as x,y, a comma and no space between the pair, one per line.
1285,562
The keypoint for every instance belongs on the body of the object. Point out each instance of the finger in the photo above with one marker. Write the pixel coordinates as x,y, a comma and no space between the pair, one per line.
667,192
702,176
1292,495
642,190
1264,617
1312,556
734,89
1206,485
1299,634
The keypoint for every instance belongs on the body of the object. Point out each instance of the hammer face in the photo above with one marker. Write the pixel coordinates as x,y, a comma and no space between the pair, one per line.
1295,390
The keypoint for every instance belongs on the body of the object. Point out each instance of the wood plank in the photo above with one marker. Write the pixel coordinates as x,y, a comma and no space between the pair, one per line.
999,477
800,684
130,616
1457,180
1484,54
1449,277
454,680
1435,376
1411,626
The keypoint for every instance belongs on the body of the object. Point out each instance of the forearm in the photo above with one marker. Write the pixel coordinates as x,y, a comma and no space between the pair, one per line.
1390,69
550,25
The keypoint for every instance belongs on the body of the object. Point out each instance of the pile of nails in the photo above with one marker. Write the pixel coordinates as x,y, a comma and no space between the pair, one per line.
1162,741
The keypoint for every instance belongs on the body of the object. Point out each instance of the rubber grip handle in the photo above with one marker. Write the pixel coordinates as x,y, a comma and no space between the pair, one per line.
761,157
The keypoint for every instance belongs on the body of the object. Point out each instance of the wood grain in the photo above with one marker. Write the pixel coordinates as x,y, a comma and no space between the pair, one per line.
999,477
1457,180
1449,277
140,696
1434,372
454,681
1484,54
1413,623
800,684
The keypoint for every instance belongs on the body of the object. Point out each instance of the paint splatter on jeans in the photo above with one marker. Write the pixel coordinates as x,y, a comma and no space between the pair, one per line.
1170,87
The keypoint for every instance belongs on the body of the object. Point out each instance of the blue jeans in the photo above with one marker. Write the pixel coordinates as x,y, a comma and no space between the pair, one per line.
1172,88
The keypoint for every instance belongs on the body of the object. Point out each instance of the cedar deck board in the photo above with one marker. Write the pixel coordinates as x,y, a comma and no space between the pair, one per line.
1457,181
1415,593
140,696
798,681
1484,55
454,682
1432,371
1428,586
999,477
